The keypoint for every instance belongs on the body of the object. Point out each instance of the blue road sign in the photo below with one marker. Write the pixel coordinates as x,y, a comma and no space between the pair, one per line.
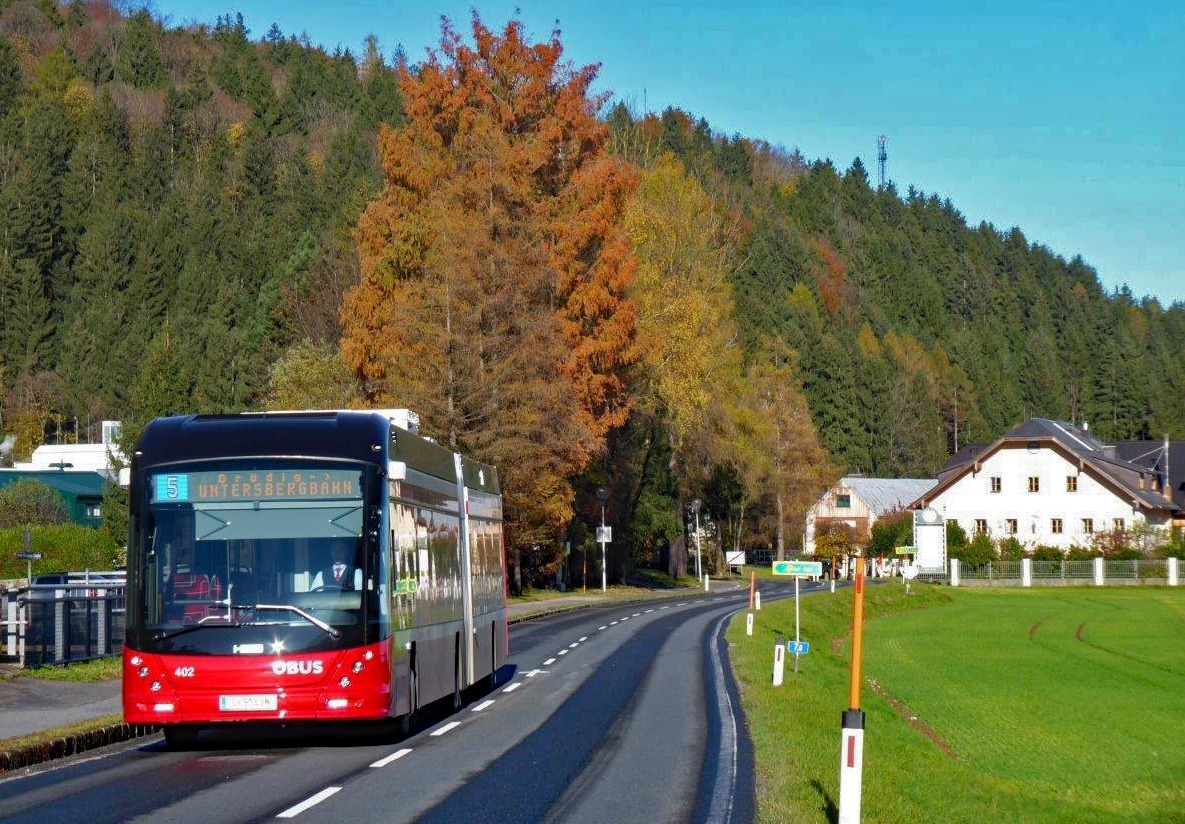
798,647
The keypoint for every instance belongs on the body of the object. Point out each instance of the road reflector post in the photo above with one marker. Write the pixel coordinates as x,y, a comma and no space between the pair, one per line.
851,767
779,660
851,753
706,583
749,623
757,596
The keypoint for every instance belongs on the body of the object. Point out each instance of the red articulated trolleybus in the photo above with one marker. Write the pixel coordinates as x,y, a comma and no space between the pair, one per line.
307,566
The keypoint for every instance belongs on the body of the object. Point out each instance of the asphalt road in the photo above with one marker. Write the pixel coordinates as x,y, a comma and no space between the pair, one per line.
613,714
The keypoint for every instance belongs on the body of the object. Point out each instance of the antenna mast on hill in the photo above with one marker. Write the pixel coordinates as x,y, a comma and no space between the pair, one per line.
882,157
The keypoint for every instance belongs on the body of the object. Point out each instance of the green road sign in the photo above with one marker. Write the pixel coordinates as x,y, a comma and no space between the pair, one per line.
798,568
907,550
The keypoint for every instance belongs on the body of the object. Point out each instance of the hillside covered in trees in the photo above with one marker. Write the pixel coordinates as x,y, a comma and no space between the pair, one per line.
198,219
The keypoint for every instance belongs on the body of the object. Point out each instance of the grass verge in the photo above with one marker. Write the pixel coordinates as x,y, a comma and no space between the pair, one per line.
1011,705
99,669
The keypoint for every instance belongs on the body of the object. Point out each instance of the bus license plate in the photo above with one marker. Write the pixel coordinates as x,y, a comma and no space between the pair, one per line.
246,703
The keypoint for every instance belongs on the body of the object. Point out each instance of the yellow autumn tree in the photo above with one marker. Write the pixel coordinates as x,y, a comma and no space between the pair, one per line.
690,362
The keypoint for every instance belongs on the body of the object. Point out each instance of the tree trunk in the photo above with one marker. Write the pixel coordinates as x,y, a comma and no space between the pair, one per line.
781,556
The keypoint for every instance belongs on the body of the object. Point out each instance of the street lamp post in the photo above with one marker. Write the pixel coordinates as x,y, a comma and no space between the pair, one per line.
602,496
699,572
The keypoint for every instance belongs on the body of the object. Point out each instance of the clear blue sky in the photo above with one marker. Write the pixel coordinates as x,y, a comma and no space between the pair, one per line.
1066,119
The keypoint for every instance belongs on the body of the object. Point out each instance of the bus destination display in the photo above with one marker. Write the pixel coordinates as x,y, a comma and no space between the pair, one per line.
256,485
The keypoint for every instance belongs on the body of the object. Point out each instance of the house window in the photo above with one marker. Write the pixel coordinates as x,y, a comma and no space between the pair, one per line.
94,511
1118,524
1071,483
1088,526
995,483
1010,526
1055,526
981,526
843,501
1034,483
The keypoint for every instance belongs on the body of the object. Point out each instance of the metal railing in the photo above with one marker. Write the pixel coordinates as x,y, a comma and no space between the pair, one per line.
55,624
1153,571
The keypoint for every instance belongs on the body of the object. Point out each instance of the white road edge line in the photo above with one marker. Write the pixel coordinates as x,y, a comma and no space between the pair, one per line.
395,756
483,705
293,812
452,725
720,806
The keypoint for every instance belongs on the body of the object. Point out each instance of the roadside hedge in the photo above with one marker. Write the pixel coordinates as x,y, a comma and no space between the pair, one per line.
63,548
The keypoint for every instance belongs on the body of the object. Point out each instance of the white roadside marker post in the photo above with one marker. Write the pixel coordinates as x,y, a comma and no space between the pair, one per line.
752,590
757,596
779,660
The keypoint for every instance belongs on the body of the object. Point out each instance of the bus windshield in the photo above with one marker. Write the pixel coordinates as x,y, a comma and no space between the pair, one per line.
277,546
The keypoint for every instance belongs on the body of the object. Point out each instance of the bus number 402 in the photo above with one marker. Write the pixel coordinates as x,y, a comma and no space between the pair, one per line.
183,672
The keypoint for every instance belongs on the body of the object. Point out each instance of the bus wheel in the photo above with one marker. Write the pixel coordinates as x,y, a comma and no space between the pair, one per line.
181,736
407,721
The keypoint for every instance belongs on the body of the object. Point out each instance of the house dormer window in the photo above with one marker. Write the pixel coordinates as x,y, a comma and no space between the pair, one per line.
994,483
1034,483
1071,483
843,501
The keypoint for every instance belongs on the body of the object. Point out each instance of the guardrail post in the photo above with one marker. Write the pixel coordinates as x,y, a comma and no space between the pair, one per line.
954,572
1172,565
61,627
1098,572
103,607
1026,572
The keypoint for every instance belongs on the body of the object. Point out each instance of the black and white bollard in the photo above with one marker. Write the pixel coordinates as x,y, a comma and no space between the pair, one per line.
779,661
757,597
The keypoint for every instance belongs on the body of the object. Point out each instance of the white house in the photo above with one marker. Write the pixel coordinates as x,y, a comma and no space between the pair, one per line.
856,503
79,457
1052,483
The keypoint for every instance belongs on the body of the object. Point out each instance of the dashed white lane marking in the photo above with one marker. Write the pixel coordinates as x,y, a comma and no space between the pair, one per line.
513,686
625,618
612,623
312,801
452,725
574,646
681,604
582,639
562,652
603,626
546,663
635,615
395,756
665,606
649,610
483,705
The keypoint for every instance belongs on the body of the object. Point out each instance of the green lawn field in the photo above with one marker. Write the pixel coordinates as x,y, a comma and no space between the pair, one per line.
983,705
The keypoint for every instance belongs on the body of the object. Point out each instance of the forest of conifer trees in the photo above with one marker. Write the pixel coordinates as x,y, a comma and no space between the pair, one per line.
201,219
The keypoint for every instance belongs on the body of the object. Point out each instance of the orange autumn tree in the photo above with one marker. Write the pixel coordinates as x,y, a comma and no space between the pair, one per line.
494,272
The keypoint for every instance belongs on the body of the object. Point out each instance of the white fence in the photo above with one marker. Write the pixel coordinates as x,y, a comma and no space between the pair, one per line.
1097,571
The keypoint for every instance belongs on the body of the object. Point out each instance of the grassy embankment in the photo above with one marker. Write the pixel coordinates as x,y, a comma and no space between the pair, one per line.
1054,705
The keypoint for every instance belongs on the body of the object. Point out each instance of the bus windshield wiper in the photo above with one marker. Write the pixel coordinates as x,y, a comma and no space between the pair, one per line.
312,619
211,621
163,636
